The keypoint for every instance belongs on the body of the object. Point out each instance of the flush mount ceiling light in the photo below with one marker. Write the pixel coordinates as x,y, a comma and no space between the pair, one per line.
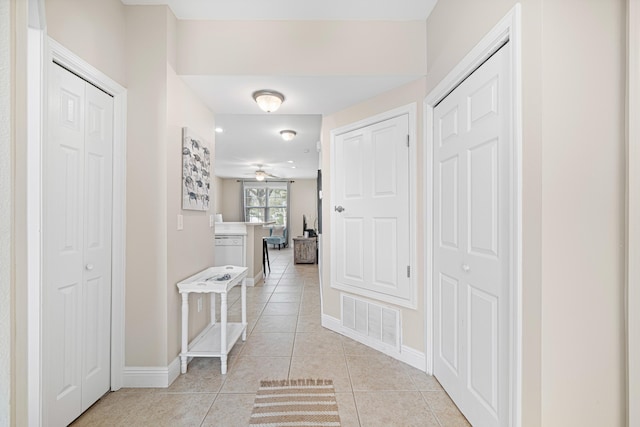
287,134
268,100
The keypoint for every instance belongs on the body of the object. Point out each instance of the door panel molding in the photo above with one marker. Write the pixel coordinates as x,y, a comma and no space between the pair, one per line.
507,30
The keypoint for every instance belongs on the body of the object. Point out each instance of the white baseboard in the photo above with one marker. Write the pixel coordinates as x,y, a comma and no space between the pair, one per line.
151,377
406,354
413,357
156,377
252,281
174,370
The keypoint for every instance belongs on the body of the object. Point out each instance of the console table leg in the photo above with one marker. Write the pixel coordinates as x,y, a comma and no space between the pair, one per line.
212,301
185,332
223,332
243,300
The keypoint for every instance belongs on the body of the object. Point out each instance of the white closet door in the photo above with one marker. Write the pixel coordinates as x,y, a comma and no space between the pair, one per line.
77,247
96,363
472,158
372,209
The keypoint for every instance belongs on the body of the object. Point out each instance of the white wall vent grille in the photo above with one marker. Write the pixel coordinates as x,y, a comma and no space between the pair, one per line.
376,322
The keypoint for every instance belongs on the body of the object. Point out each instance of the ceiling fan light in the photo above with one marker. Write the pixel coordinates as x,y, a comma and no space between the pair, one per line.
287,134
268,100
260,175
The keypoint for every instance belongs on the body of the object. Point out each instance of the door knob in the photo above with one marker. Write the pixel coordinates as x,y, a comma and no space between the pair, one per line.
465,268
89,267
338,208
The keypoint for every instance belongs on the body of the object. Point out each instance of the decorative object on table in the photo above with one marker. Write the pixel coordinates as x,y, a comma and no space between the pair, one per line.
196,171
305,402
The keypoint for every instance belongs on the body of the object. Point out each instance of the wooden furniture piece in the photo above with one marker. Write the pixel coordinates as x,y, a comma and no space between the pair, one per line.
305,250
217,339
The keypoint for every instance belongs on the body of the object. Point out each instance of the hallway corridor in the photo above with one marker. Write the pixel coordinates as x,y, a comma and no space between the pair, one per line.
285,340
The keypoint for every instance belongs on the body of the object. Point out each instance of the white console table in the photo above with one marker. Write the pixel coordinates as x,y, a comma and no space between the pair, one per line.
217,339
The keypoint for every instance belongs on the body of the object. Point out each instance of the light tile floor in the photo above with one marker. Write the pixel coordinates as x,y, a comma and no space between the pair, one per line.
285,340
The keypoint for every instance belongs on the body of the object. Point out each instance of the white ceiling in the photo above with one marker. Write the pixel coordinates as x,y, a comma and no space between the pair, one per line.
250,136
341,10
252,140
304,94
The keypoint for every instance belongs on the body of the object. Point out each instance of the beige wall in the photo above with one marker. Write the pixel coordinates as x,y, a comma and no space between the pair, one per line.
231,201
301,48
217,193
413,320
303,202
583,213
191,249
20,308
93,30
146,275
6,218
573,217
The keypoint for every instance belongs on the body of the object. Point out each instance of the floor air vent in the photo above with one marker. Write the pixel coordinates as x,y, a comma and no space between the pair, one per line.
374,321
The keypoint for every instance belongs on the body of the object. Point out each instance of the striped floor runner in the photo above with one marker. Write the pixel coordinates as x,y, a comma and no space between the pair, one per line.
295,403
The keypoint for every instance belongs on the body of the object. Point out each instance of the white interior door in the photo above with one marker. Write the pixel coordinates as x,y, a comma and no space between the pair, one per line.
371,213
472,159
77,247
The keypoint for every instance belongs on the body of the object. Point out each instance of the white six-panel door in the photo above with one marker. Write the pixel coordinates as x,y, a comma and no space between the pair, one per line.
77,247
472,158
371,212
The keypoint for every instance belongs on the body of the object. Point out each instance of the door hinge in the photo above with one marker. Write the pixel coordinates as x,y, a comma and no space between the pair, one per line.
407,140
408,271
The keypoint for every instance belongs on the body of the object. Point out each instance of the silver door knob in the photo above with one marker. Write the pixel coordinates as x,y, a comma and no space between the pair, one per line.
89,267
338,208
465,268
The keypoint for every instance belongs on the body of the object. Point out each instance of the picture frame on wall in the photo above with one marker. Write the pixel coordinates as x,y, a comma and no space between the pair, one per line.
196,171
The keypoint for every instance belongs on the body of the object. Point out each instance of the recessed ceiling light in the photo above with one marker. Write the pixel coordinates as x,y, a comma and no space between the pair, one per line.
293,167
219,130
289,161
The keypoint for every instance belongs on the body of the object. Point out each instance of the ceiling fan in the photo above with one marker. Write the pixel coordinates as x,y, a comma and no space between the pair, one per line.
261,175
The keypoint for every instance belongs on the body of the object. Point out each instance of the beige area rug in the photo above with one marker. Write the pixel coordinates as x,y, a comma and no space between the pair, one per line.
295,403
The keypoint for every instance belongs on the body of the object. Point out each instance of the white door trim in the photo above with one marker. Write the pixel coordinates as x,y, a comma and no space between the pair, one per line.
507,30
48,50
411,111
633,210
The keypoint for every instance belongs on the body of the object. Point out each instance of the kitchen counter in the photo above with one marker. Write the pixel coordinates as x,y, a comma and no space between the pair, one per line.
253,233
